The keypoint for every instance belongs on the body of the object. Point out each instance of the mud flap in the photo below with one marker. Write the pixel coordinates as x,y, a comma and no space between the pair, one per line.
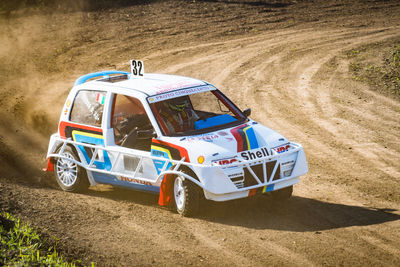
50,166
166,190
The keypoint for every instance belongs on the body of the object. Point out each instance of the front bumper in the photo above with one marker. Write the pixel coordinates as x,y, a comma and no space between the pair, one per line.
244,178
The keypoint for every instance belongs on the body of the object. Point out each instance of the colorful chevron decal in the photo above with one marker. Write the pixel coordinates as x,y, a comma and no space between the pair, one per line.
245,138
166,150
103,161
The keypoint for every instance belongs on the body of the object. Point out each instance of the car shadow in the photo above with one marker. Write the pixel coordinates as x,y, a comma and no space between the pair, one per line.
251,3
298,214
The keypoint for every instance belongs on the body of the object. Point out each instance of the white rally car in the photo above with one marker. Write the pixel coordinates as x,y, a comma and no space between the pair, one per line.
175,136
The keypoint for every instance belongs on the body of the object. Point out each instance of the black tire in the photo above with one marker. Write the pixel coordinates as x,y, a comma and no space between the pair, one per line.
186,197
70,176
282,194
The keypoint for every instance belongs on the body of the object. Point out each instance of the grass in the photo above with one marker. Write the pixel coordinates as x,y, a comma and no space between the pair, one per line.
21,245
378,65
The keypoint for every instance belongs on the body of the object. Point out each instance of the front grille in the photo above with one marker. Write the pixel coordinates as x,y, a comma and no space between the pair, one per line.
270,168
249,180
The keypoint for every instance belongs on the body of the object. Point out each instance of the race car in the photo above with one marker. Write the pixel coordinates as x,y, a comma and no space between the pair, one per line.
175,136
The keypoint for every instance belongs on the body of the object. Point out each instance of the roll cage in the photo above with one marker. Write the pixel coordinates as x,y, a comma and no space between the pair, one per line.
263,179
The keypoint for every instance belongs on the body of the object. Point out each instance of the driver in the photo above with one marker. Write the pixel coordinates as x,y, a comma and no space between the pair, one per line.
178,114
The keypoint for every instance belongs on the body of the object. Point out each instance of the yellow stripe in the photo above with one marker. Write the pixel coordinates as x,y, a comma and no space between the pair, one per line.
162,149
74,132
247,138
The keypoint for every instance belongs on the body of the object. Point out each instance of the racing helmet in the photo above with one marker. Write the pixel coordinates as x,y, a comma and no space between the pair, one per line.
178,104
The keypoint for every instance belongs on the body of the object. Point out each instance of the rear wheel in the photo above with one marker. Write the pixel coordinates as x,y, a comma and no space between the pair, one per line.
282,194
186,197
70,176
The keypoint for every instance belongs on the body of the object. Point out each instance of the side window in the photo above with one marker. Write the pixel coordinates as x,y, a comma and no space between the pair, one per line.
130,122
88,107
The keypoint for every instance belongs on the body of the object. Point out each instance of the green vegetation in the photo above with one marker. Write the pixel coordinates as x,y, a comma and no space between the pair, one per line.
378,65
21,245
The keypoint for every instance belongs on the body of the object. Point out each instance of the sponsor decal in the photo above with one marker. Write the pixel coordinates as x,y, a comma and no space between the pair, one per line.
226,161
132,180
236,175
206,137
223,133
257,154
178,93
158,151
67,106
281,149
176,85
100,98
168,151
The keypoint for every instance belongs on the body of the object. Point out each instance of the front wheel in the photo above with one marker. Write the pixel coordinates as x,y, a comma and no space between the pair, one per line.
186,196
70,176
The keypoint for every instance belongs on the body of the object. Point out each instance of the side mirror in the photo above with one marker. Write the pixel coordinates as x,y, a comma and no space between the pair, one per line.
247,112
146,134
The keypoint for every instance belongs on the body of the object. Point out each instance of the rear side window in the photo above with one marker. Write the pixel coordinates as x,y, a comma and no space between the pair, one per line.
88,107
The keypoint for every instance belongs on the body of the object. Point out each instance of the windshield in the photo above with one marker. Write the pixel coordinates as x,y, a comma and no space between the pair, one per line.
204,111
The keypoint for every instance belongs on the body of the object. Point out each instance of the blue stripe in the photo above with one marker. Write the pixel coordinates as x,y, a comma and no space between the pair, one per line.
106,164
251,135
103,74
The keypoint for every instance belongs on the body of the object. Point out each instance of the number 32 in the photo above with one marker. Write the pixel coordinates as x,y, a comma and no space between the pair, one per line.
137,67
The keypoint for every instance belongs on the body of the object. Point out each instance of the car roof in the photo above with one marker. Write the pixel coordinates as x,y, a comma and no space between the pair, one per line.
151,83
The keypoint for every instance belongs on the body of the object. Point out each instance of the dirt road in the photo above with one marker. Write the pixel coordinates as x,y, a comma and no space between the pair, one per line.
287,60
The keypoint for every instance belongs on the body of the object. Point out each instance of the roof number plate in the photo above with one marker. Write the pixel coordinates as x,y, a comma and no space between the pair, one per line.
137,68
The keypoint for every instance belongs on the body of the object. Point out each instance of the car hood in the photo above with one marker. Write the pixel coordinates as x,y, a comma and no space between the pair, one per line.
229,143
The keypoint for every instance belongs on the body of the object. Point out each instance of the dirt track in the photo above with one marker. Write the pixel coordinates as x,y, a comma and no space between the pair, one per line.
286,60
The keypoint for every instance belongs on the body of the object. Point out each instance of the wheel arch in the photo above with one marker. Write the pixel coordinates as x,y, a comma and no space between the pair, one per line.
166,187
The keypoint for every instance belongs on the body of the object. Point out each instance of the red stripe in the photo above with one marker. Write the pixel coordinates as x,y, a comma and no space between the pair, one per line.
64,124
181,150
238,137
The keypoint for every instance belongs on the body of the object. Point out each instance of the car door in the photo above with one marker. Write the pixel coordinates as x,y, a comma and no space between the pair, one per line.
132,133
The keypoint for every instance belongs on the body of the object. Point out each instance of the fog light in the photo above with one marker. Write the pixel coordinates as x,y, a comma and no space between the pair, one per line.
287,173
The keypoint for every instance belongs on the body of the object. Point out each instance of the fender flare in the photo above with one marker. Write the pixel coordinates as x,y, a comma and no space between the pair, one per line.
166,188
